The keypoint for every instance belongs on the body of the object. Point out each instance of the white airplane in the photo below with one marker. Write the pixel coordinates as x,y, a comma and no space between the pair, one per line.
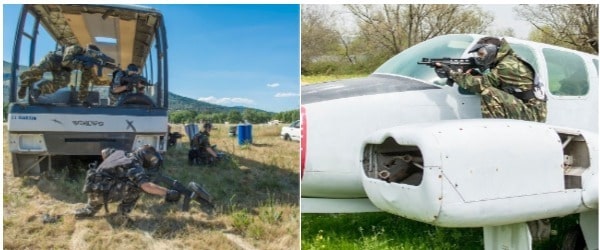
403,142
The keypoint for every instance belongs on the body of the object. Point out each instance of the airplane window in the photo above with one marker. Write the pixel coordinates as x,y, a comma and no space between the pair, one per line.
526,53
405,63
595,64
567,74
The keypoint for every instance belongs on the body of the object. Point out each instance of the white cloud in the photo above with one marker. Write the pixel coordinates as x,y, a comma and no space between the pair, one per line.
286,94
273,85
226,100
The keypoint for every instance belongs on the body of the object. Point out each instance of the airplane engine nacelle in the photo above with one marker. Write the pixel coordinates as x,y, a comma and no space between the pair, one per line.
481,172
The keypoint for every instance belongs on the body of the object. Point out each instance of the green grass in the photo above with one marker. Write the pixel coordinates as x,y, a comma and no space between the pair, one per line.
327,78
387,231
382,231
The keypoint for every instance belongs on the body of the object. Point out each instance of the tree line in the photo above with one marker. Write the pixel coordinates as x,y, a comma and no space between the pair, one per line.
233,116
357,38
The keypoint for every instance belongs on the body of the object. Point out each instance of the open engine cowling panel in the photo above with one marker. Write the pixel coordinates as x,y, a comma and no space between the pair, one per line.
482,171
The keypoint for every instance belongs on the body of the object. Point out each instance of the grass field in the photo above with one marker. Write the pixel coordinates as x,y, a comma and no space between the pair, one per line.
325,78
256,196
386,231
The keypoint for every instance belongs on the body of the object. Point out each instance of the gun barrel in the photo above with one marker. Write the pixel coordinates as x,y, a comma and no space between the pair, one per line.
108,59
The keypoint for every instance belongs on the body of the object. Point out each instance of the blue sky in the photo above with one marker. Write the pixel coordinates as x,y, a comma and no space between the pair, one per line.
231,55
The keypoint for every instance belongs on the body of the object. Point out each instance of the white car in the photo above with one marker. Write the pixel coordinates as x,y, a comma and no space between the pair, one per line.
291,132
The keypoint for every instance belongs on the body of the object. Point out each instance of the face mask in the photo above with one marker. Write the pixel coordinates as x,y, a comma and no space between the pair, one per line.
156,161
485,56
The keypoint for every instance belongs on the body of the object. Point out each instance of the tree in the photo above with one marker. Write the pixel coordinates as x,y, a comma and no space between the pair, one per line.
5,116
502,32
234,116
182,116
219,117
317,36
250,115
572,26
393,28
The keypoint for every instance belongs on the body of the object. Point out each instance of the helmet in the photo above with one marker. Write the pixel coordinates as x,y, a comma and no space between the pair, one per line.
486,54
207,126
107,152
486,49
150,158
132,67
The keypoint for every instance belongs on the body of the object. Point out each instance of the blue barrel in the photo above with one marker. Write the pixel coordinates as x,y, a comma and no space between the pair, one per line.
242,134
249,133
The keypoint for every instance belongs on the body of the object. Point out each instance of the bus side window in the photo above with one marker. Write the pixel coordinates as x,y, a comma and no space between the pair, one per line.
566,72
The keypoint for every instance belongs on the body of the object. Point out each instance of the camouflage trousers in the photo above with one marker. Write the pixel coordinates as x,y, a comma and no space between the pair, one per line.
87,75
34,74
496,103
126,193
60,79
50,87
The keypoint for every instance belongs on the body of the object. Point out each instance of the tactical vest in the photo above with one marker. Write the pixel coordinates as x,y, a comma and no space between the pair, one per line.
199,140
537,90
100,181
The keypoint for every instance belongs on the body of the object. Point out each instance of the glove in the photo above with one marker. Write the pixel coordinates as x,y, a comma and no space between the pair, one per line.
22,91
172,196
129,87
444,70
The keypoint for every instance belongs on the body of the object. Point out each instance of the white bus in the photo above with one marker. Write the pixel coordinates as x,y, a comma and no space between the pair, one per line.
46,135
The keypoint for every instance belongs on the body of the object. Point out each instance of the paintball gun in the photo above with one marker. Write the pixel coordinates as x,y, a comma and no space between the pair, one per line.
456,64
94,57
132,80
192,192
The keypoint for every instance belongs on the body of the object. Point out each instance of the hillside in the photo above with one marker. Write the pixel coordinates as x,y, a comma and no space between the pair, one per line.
177,102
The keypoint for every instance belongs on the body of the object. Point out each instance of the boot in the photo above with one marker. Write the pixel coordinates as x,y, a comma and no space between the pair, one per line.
87,211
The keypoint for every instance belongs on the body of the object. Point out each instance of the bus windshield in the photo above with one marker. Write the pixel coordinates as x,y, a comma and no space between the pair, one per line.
123,34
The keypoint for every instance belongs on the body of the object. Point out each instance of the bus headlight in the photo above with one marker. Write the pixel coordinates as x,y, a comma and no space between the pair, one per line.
27,143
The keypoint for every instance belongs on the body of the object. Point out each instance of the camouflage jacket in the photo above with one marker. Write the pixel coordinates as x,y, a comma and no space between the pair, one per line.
69,57
52,61
201,140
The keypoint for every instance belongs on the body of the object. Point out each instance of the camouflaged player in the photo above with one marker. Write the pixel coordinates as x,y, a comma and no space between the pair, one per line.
126,82
201,150
71,60
52,62
60,64
508,86
122,178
